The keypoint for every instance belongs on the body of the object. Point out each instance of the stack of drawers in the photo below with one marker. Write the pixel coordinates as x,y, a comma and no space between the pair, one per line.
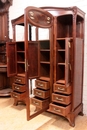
61,99
41,94
19,89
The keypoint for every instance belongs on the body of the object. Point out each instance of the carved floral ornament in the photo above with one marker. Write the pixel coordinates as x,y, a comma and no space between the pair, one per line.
4,5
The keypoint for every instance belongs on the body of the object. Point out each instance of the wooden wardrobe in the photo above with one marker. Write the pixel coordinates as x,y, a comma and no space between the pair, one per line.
55,63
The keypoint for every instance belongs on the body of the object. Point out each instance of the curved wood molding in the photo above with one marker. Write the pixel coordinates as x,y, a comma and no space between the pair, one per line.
4,5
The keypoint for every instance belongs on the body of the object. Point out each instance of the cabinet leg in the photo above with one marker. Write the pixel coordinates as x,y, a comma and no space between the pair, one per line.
71,119
15,102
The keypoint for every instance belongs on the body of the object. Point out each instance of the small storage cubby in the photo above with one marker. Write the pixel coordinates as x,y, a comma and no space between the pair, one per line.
44,44
44,70
61,74
44,56
64,26
20,57
20,68
20,46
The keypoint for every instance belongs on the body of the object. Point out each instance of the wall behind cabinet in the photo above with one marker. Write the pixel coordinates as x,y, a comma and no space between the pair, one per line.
18,8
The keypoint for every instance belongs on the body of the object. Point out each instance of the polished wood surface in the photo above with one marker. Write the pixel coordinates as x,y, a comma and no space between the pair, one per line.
53,62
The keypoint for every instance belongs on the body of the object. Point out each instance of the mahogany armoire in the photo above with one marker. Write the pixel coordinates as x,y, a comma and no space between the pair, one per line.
55,63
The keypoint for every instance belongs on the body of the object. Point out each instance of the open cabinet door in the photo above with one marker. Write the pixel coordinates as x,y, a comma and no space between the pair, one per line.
11,58
39,18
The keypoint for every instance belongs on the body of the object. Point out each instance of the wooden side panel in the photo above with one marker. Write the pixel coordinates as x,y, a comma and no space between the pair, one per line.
11,59
78,73
4,27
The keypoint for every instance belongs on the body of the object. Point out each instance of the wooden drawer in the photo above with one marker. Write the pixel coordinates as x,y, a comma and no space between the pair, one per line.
60,109
19,88
41,93
20,80
61,99
61,88
19,96
42,84
40,103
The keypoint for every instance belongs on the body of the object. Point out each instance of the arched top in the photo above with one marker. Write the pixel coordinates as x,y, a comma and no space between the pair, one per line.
39,17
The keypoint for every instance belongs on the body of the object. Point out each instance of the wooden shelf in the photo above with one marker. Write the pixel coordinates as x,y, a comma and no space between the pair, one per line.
45,78
61,81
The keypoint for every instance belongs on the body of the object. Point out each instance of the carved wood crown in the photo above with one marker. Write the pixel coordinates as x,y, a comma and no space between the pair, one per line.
4,5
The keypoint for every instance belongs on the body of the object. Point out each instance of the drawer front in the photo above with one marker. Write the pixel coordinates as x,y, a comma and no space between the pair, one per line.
61,89
61,99
19,88
19,96
42,84
60,110
40,103
41,93
20,80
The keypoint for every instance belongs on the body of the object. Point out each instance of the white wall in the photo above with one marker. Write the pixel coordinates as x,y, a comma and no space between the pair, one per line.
17,9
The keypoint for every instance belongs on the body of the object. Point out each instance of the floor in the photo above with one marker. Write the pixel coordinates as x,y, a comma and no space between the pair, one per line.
14,118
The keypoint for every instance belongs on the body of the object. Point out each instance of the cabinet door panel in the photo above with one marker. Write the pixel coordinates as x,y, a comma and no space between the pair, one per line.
33,55
11,59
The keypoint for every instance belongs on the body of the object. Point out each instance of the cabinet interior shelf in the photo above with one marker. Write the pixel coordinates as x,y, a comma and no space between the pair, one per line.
45,50
61,81
61,50
43,62
44,78
61,63
21,62
21,74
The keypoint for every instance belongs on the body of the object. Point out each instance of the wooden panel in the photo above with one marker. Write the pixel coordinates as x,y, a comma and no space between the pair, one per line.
33,59
78,70
11,59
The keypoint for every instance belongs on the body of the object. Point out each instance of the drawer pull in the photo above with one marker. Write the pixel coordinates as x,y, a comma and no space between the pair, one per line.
36,103
15,96
39,84
16,87
59,99
38,93
18,80
58,110
61,89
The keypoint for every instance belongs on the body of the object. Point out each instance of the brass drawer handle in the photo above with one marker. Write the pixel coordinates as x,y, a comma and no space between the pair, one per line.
16,87
59,99
18,80
15,96
35,102
38,93
41,85
61,89
58,110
